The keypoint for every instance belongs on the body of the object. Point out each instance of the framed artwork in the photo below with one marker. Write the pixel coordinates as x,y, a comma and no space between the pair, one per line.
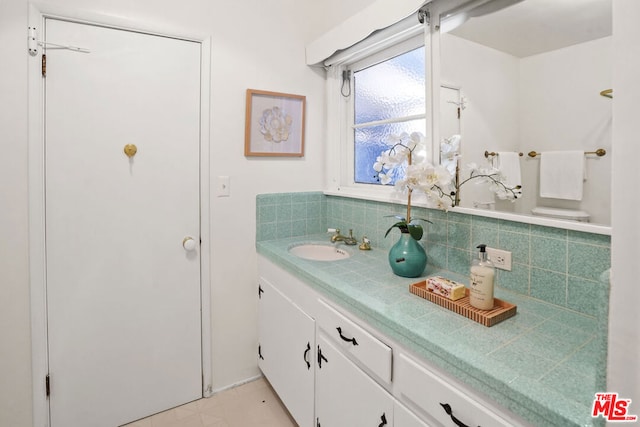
274,124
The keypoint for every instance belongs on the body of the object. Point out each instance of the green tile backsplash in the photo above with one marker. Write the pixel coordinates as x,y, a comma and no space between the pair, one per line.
553,265
284,215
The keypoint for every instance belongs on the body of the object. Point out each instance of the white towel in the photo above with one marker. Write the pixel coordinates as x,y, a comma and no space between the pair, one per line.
509,166
562,174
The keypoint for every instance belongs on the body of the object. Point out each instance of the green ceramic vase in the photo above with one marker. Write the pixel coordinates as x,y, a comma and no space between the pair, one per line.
407,257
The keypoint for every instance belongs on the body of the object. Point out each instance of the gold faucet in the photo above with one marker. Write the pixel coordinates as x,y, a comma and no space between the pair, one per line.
348,240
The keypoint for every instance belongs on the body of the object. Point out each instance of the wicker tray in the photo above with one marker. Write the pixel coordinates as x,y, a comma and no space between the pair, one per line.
501,309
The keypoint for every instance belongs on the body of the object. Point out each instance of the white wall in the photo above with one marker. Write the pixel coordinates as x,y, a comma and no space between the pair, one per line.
561,109
488,80
543,102
255,44
15,339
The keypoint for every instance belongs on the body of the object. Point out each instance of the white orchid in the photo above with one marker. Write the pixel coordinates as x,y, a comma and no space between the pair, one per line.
425,176
406,161
384,178
398,162
496,180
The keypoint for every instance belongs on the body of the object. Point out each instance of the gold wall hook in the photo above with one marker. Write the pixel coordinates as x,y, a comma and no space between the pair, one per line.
130,150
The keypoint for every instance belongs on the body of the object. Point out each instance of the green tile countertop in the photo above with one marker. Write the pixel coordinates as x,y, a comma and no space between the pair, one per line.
544,364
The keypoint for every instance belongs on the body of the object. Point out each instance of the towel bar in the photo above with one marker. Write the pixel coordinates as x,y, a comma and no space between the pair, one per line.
599,152
493,153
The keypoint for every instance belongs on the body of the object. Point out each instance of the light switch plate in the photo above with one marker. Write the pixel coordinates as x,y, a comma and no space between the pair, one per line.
223,186
501,259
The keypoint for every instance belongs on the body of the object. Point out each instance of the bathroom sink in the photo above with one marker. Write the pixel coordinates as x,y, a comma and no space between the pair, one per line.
319,252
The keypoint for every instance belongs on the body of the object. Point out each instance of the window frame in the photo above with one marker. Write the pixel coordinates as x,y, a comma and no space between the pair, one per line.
340,179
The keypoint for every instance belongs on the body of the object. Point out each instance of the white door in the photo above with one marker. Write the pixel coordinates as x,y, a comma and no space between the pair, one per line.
123,294
450,112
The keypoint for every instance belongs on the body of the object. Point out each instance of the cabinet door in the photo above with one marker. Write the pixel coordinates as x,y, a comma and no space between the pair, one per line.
286,351
402,417
346,396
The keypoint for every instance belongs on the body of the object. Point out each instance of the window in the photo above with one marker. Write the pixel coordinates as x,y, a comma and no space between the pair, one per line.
388,98
389,80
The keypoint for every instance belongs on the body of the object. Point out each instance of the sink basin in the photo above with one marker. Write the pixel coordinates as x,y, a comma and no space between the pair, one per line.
319,252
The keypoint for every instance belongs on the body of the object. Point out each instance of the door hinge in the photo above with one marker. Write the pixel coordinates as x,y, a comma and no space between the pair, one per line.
260,291
32,40
44,65
47,385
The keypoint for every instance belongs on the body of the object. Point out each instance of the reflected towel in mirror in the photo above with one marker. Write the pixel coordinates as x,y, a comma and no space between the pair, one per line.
509,166
562,174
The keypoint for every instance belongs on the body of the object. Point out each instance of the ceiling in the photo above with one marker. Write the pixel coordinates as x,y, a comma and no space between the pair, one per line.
535,26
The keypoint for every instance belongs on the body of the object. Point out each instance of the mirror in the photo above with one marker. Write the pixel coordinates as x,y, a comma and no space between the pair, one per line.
528,78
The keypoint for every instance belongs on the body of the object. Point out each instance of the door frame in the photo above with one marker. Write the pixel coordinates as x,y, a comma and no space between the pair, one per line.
37,254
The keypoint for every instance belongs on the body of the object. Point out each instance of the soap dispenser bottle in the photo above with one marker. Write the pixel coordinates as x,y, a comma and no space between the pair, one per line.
481,286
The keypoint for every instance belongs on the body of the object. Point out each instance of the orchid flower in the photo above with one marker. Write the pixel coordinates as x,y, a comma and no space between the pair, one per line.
406,161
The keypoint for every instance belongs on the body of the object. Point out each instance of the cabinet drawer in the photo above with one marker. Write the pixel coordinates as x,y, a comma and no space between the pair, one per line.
370,352
423,389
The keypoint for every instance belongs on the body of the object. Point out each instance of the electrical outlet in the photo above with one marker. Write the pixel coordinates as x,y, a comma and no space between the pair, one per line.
501,259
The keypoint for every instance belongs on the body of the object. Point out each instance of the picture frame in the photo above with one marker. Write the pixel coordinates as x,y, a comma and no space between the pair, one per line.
274,124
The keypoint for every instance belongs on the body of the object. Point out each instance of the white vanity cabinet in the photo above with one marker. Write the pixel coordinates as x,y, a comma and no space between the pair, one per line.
362,377
286,350
345,395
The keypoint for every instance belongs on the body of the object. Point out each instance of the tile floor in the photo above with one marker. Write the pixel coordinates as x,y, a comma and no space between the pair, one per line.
253,404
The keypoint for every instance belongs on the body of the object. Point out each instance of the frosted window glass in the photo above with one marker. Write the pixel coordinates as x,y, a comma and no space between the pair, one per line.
391,89
371,141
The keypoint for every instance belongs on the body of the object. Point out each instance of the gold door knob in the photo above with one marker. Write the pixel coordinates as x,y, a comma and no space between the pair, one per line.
130,150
